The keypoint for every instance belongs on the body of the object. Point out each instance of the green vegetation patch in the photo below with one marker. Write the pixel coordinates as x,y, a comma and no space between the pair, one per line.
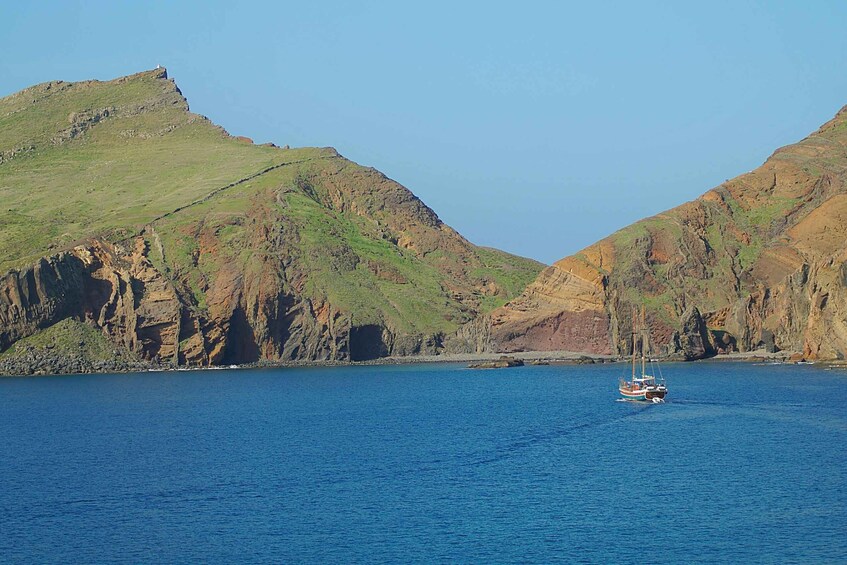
147,158
70,338
509,272
345,267
121,158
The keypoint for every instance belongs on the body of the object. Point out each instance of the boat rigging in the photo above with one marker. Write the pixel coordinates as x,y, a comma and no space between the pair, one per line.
644,387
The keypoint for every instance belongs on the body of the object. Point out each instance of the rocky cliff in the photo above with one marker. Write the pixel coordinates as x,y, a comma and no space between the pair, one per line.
757,262
182,244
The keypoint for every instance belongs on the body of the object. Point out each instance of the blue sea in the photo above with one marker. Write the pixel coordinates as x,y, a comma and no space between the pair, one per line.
425,463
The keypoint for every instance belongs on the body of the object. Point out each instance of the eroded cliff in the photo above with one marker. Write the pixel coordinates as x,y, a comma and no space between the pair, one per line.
758,262
188,246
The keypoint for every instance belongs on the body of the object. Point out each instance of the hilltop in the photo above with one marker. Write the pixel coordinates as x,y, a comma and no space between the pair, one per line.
180,243
755,263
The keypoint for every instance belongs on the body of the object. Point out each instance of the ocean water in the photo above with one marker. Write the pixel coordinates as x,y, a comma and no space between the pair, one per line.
425,463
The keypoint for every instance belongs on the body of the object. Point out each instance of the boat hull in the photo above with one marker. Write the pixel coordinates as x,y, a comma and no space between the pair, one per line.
634,395
643,394
651,394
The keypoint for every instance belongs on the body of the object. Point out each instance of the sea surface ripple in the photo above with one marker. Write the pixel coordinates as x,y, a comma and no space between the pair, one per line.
424,463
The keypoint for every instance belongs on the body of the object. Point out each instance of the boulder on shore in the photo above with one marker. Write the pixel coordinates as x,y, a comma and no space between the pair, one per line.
501,363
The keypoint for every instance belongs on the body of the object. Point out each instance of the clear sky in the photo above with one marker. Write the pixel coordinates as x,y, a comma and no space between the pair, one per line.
533,127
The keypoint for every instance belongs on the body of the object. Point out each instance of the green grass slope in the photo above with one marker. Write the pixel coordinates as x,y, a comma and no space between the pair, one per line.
69,337
349,260
117,159
70,171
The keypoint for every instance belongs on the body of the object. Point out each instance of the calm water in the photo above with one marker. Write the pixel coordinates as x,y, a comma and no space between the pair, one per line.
425,463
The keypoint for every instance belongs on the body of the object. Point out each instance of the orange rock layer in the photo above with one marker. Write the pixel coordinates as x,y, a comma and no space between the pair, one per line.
762,257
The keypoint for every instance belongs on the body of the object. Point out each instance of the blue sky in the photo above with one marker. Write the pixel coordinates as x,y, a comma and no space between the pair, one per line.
534,127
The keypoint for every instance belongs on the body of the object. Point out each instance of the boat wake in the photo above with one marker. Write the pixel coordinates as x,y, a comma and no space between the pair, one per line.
781,405
531,440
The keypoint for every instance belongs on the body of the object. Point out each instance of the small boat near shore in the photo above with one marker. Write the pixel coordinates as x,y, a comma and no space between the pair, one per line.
644,387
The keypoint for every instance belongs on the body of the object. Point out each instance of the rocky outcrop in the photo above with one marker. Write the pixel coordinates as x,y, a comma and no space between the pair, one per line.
762,257
504,362
119,291
45,361
693,341
564,309
137,307
39,296
473,337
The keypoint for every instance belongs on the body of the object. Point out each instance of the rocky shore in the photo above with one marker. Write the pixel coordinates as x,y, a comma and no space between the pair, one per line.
42,361
503,362
29,360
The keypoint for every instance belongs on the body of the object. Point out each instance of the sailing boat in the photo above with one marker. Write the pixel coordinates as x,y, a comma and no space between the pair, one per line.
644,387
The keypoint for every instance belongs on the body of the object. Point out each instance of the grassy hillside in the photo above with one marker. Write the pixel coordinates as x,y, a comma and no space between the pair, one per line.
272,235
71,171
350,260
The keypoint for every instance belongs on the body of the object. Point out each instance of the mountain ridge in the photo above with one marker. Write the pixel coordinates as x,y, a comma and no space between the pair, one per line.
755,255
186,245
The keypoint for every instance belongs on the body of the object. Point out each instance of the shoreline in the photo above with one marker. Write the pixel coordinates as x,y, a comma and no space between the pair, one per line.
528,357
569,357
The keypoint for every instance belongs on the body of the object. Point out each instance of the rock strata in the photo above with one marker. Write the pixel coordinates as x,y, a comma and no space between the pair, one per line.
758,262
693,341
184,246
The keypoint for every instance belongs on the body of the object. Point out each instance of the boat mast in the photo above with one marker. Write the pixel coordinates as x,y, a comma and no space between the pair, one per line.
634,334
643,341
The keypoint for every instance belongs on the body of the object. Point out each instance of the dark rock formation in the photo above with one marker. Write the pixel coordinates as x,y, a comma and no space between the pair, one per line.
503,362
39,296
42,361
693,340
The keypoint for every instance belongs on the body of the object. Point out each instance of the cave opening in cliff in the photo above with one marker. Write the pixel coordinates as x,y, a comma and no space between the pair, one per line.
366,343
241,343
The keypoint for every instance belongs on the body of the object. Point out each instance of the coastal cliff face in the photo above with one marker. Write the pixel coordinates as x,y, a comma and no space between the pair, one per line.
180,244
758,262
184,245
